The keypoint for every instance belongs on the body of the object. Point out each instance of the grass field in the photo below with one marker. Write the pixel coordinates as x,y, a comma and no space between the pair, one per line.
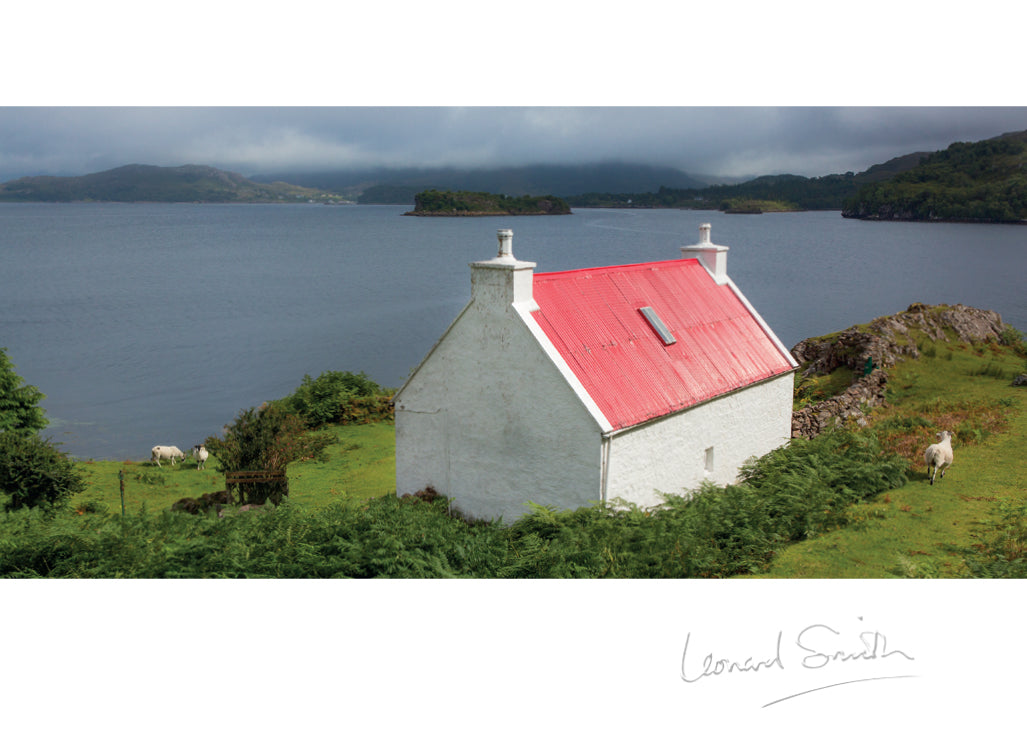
359,465
920,530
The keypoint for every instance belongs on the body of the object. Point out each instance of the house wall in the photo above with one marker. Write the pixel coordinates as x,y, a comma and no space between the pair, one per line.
490,422
670,456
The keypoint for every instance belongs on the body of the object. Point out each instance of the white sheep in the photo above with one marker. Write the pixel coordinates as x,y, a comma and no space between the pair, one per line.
200,454
166,452
939,455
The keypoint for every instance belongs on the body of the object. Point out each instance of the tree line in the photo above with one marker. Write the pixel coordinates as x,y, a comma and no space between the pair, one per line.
446,202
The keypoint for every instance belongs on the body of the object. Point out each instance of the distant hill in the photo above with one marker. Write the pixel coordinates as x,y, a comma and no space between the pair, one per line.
449,204
890,168
398,186
777,192
147,183
983,182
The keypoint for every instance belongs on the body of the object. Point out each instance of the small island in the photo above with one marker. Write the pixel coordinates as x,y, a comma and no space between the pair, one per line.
749,206
471,204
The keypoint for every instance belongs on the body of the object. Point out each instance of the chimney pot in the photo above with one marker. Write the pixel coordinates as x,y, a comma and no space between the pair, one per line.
505,236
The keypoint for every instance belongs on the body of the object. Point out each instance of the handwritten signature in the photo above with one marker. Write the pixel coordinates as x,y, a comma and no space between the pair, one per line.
822,645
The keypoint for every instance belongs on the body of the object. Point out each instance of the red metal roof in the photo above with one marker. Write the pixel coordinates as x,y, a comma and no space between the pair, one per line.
593,318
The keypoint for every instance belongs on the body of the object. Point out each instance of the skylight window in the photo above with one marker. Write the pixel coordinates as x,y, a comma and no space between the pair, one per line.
657,325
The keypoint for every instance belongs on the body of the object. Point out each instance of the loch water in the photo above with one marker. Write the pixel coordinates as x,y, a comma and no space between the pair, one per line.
154,324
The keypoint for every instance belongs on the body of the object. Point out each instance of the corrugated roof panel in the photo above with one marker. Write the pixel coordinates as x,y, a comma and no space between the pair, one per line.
594,319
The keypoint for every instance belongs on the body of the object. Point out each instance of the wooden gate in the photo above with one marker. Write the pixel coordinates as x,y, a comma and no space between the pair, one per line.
244,482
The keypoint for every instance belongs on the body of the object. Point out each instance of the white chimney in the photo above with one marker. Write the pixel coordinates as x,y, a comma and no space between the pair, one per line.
711,256
504,280
505,236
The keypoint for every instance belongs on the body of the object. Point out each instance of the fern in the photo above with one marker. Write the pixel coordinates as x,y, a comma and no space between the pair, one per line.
790,494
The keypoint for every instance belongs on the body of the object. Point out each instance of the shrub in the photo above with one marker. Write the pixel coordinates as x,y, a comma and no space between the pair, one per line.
19,403
373,409
322,400
265,439
34,473
1015,339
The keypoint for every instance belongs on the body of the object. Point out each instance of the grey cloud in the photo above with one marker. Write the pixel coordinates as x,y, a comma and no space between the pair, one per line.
734,141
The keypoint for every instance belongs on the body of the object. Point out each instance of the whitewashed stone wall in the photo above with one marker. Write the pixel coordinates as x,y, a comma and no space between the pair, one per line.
489,421
671,456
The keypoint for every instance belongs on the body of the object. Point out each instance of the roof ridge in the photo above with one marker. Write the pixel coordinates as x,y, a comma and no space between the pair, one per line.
615,267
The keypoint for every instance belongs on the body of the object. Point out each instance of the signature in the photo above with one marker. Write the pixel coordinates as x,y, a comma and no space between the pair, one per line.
814,647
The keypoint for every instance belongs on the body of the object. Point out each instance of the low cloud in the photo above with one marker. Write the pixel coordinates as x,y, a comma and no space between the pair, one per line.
729,141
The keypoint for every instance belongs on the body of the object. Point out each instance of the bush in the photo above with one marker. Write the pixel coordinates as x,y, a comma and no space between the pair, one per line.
34,473
265,439
323,400
19,403
374,409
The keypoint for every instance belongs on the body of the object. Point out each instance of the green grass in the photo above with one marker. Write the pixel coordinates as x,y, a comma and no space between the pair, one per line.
809,390
360,465
921,530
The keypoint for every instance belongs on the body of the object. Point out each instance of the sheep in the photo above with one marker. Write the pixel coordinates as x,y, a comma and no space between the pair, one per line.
939,455
200,454
166,452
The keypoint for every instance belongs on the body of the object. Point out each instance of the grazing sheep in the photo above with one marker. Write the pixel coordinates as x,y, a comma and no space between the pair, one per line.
939,455
200,454
166,452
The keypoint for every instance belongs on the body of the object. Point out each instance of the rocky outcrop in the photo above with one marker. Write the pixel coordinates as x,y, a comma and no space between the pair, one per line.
868,350
943,323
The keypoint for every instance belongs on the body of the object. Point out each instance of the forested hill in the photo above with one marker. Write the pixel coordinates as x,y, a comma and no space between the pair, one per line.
147,183
976,182
777,192
398,186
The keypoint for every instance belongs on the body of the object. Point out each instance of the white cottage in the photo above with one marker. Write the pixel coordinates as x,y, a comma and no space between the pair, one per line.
594,384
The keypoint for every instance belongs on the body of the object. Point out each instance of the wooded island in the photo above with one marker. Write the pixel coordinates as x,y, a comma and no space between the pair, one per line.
436,203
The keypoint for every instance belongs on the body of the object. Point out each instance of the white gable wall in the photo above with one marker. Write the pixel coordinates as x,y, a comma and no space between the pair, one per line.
670,456
490,422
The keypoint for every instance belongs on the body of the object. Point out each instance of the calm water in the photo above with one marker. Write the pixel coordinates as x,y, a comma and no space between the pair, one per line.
148,324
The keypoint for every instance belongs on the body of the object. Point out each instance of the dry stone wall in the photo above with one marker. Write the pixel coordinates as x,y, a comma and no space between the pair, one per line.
876,347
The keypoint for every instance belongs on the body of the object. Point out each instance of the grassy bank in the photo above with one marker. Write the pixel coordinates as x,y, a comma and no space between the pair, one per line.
359,465
920,530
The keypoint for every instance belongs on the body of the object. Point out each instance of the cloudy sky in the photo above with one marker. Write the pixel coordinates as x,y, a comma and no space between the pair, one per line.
735,92
733,141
